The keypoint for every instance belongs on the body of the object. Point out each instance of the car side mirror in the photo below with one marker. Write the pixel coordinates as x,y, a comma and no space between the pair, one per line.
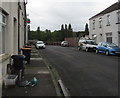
105,45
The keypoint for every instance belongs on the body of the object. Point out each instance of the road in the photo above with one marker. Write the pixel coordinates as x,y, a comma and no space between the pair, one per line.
84,73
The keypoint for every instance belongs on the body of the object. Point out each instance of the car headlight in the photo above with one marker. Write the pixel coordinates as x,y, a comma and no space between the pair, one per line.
110,48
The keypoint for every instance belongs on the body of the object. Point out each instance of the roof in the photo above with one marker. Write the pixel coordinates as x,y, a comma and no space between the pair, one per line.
113,7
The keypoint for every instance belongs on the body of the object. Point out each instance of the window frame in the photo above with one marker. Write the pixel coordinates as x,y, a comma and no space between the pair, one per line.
118,17
93,24
3,24
108,20
100,22
109,35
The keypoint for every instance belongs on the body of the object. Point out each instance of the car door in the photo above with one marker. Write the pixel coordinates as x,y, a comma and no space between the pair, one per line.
84,45
103,47
99,47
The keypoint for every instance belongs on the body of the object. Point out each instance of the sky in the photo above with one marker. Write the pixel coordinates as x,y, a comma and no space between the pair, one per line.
51,14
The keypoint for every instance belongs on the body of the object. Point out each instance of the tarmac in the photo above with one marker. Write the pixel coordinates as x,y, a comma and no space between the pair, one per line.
36,68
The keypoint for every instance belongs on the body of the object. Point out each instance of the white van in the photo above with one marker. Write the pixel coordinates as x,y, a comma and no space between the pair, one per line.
87,45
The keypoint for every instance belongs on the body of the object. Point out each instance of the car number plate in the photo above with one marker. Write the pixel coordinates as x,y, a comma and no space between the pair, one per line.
117,52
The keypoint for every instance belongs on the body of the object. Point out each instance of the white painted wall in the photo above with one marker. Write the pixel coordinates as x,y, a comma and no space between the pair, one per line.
97,31
11,41
114,28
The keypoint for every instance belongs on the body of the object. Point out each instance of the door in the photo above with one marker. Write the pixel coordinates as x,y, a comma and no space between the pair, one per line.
119,39
103,48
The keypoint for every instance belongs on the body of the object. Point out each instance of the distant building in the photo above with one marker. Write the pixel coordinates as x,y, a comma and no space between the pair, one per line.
12,32
105,26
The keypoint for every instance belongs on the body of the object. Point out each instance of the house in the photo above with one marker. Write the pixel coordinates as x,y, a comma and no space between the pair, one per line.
12,32
105,26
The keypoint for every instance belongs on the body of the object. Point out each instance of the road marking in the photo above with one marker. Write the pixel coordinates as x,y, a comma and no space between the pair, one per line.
34,53
37,59
43,72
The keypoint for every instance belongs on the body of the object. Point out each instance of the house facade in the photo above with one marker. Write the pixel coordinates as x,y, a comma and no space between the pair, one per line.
12,32
105,26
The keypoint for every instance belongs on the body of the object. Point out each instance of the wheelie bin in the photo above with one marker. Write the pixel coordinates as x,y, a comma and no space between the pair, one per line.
18,65
27,53
27,46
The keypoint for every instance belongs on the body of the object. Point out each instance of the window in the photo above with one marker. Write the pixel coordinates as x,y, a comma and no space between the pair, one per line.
100,44
109,37
93,24
100,23
118,17
108,20
103,44
2,32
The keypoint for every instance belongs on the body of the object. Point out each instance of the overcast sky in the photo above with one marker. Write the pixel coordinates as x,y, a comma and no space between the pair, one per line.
50,14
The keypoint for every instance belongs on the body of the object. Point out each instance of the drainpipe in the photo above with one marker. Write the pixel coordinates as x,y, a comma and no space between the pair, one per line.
25,24
18,27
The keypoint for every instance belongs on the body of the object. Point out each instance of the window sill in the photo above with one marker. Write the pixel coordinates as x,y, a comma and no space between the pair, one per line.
4,57
108,25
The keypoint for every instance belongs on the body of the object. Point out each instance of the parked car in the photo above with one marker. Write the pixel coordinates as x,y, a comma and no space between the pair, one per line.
64,43
108,48
40,44
87,45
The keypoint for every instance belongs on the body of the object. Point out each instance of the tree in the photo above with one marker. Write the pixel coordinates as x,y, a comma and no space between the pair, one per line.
38,35
38,28
70,27
70,31
65,26
62,27
86,29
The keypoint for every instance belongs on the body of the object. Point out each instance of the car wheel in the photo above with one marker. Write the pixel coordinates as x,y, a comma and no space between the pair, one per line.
107,52
87,49
79,48
97,51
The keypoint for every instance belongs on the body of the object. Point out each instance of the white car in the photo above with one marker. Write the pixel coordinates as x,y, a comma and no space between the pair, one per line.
87,45
64,43
40,44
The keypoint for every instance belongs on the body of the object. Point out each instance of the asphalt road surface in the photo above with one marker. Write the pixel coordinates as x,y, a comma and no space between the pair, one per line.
84,73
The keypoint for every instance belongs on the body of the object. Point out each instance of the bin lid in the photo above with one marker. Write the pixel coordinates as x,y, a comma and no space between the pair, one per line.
26,48
17,56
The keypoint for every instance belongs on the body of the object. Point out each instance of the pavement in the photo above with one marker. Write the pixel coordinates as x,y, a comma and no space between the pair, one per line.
37,68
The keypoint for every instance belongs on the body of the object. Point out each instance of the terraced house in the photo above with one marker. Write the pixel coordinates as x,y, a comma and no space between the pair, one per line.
12,31
105,26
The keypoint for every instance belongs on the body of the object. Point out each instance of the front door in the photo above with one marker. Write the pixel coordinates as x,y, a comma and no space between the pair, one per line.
119,39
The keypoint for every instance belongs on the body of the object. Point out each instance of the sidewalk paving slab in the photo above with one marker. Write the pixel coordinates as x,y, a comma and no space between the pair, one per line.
38,69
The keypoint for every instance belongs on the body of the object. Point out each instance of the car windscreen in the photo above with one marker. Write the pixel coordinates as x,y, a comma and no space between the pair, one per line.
90,42
65,42
40,43
111,45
